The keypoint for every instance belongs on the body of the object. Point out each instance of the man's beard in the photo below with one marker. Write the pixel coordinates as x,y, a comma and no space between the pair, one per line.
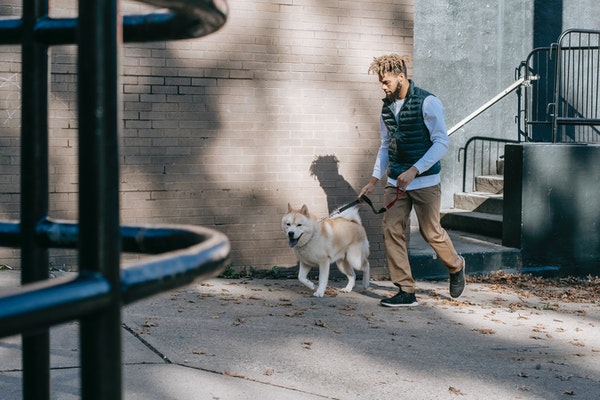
395,95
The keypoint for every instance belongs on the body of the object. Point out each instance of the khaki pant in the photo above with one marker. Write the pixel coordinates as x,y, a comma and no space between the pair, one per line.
396,229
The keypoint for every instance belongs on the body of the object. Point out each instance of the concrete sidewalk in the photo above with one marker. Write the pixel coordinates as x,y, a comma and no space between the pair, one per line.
271,340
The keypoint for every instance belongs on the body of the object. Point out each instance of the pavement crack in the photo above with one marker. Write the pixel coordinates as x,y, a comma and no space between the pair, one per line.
145,343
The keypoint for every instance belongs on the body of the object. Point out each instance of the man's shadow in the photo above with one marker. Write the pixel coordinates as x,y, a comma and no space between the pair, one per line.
338,191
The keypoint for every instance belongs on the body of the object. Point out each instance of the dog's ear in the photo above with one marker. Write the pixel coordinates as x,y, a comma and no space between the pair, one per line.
289,208
304,210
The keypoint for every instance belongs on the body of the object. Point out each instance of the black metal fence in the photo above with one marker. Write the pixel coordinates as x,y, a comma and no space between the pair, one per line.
179,254
563,105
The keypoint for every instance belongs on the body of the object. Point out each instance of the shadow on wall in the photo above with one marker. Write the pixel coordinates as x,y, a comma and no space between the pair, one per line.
339,193
336,188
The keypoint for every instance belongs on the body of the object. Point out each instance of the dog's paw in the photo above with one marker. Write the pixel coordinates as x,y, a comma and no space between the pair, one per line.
319,293
346,290
308,284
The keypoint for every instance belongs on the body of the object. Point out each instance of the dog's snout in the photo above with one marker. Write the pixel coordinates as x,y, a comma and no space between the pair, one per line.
291,235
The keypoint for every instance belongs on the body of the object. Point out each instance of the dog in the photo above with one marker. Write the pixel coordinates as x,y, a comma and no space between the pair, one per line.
339,239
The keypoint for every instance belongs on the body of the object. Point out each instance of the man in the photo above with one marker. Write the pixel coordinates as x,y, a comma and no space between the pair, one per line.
413,141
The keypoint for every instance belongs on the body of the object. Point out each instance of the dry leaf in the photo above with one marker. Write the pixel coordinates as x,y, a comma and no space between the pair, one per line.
294,313
455,391
252,297
321,323
149,324
485,331
229,373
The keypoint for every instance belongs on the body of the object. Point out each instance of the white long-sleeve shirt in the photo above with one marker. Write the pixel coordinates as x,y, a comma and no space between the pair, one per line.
433,114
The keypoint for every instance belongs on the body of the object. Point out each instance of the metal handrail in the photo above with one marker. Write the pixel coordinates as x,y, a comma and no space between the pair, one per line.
511,88
189,253
182,19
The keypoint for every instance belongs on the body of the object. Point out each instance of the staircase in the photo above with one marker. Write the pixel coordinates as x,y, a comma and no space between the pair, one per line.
480,211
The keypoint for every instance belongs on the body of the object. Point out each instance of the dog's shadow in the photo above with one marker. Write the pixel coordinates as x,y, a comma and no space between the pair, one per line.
337,190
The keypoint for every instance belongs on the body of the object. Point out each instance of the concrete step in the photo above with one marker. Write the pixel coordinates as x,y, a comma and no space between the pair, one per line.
482,202
490,184
483,255
481,223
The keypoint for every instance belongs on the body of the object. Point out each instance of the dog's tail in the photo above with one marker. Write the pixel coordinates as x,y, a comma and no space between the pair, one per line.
351,214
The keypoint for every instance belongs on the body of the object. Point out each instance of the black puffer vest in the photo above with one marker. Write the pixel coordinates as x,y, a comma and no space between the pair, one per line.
409,137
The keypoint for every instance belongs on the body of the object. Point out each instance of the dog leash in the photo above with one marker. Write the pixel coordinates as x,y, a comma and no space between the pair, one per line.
399,193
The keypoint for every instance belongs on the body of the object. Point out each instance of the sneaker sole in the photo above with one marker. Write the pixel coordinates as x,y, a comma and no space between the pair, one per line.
413,304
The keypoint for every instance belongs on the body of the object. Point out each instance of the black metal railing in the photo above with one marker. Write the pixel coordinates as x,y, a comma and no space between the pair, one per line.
563,105
481,156
534,122
95,297
576,117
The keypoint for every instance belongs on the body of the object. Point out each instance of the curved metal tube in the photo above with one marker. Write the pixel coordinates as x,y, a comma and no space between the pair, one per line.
181,20
184,253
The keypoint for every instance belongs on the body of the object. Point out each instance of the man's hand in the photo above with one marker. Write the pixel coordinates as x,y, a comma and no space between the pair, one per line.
368,189
405,178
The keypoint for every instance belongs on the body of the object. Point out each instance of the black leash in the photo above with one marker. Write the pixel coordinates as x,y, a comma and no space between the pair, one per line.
367,200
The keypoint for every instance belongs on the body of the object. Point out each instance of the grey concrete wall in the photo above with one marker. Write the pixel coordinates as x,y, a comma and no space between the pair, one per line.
581,14
553,193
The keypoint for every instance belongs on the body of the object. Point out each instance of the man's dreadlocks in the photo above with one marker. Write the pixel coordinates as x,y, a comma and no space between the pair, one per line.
390,63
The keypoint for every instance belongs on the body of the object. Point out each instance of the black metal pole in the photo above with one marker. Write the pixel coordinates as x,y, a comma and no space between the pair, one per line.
99,35
34,190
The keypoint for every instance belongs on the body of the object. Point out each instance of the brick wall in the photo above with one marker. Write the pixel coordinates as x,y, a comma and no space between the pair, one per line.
224,131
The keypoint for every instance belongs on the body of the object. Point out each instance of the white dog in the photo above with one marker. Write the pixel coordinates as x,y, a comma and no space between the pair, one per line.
340,239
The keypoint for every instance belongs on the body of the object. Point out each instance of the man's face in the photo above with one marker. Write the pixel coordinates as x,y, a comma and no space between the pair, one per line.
391,84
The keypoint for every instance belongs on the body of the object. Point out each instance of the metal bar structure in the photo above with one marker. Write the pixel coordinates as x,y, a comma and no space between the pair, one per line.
563,106
485,152
577,88
534,121
178,254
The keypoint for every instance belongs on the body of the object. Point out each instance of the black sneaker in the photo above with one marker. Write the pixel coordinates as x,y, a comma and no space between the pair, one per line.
457,282
402,299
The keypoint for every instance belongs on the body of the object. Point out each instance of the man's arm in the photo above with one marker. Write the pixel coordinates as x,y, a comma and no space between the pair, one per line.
433,113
